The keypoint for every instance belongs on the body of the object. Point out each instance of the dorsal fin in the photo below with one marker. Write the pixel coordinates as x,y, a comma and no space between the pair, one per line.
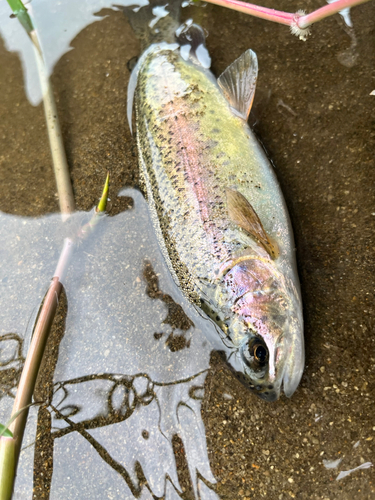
238,83
242,213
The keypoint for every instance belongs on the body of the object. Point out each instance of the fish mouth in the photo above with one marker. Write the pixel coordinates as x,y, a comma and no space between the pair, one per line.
289,383
286,381
294,367
268,391
292,378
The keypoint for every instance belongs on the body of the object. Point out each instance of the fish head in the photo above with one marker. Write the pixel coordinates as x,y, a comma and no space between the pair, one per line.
267,332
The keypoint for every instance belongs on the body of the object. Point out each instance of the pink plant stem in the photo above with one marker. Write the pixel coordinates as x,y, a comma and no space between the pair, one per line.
43,325
38,342
42,328
277,16
327,10
302,21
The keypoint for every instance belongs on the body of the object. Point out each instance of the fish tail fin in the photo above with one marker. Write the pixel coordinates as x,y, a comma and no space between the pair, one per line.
155,22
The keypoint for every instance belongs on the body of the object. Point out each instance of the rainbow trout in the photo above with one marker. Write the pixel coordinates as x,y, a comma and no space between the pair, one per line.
216,205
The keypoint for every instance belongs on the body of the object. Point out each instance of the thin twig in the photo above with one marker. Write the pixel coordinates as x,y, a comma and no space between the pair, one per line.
298,21
10,446
43,325
274,15
328,10
34,356
60,164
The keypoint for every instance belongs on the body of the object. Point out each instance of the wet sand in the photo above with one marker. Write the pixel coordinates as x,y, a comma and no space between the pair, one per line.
315,118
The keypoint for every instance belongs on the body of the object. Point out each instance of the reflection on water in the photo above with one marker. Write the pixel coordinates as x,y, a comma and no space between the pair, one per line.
128,383
176,317
11,362
57,25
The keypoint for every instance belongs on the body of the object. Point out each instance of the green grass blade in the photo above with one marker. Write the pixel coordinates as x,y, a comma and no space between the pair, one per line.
17,6
19,10
4,431
7,466
103,200
99,212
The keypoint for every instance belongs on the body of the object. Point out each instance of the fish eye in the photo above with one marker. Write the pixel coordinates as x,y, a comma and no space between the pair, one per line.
260,353
255,353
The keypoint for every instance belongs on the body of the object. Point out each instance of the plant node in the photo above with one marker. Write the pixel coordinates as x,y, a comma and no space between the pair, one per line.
302,33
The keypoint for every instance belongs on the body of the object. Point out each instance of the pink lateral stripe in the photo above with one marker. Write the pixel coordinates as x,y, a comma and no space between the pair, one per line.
196,181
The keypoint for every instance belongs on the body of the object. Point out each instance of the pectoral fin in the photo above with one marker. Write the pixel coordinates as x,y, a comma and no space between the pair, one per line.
242,213
238,83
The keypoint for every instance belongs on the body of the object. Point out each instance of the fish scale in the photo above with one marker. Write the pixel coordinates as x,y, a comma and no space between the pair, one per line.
218,211
187,183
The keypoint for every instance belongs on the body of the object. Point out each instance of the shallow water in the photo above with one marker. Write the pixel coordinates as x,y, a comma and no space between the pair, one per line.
314,115
128,377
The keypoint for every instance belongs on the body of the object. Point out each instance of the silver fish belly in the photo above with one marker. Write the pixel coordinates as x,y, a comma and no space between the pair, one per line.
218,211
